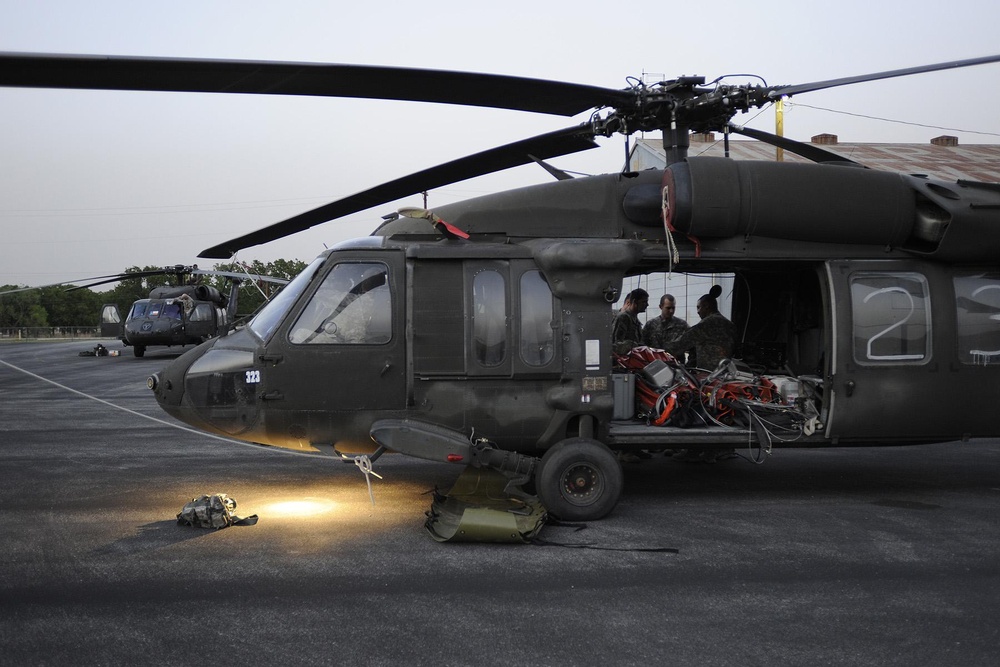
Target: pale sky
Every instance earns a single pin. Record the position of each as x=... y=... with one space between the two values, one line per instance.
x=94 y=181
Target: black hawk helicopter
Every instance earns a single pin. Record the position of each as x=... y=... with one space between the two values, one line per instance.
x=185 y=313
x=867 y=303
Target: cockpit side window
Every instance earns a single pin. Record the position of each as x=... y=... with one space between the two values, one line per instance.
x=110 y=315
x=352 y=306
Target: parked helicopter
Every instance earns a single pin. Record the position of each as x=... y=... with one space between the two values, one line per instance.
x=186 y=313
x=478 y=333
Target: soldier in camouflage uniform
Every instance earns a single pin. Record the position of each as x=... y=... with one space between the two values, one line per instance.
x=666 y=328
x=712 y=339
x=626 y=330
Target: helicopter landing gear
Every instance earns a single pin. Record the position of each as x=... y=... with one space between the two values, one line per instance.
x=139 y=350
x=579 y=479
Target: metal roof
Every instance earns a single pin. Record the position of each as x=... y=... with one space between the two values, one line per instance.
x=975 y=162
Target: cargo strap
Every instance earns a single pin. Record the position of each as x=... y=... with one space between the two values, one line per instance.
x=577 y=545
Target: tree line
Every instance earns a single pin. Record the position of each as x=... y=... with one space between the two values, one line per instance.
x=61 y=306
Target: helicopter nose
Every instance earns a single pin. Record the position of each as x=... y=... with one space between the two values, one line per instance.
x=206 y=387
x=168 y=383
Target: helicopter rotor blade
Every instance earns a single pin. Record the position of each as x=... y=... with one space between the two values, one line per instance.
x=193 y=75
x=128 y=275
x=114 y=279
x=808 y=151
x=100 y=280
x=62 y=284
x=234 y=275
x=781 y=91
x=177 y=270
x=553 y=144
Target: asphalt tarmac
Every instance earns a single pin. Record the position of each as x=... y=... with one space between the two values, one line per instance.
x=817 y=557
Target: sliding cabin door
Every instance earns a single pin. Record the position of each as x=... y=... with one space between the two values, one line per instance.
x=916 y=351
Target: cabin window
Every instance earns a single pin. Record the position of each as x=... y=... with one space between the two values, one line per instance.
x=202 y=313
x=977 y=302
x=353 y=305
x=489 y=317
x=172 y=311
x=891 y=314
x=537 y=344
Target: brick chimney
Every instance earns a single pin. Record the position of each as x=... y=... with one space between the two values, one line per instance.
x=703 y=137
x=825 y=139
x=945 y=140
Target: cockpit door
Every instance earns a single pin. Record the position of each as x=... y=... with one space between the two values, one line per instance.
x=343 y=348
x=111 y=321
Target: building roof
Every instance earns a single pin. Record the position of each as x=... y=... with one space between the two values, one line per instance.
x=944 y=159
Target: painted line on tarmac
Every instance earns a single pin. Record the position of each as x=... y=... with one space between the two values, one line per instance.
x=161 y=421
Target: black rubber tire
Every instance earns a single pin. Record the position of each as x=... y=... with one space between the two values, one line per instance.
x=139 y=350
x=579 y=479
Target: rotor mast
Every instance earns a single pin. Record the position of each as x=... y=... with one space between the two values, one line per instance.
x=676 y=140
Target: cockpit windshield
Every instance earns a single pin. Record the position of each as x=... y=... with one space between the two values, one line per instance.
x=138 y=309
x=264 y=323
x=169 y=309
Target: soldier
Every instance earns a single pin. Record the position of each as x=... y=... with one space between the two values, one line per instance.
x=666 y=328
x=713 y=338
x=626 y=331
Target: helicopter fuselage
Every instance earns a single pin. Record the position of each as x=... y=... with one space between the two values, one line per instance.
x=507 y=338
x=404 y=337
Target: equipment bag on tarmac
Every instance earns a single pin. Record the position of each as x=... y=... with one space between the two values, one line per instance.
x=479 y=509
x=213 y=511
